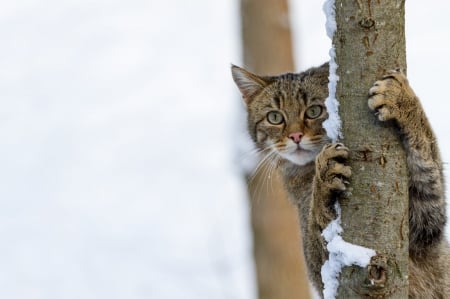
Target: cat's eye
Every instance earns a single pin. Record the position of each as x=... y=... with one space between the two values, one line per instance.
x=314 y=111
x=275 y=117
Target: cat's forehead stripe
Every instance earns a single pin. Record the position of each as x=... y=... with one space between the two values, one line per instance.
x=276 y=101
x=289 y=90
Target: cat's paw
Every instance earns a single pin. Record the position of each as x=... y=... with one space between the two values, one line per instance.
x=389 y=95
x=331 y=179
x=331 y=170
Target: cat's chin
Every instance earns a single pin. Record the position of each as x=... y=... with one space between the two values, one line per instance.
x=300 y=157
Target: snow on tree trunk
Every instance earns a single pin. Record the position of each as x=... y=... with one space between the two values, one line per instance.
x=369 y=40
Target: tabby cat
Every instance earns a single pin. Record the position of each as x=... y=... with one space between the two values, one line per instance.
x=285 y=116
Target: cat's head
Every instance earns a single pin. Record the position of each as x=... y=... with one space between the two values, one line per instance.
x=286 y=112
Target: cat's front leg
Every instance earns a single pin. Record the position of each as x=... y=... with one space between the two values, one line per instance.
x=393 y=99
x=330 y=180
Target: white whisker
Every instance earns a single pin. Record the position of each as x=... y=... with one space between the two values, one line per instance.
x=265 y=171
x=261 y=163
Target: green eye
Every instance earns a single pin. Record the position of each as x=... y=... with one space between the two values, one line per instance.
x=314 y=111
x=275 y=117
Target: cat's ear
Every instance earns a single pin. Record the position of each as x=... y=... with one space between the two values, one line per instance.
x=249 y=84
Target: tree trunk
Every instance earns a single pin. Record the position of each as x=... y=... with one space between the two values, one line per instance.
x=280 y=269
x=369 y=41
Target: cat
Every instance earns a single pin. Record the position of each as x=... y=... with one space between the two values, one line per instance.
x=284 y=117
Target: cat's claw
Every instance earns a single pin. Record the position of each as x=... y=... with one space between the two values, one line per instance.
x=331 y=169
x=386 y=95
x=330 y=181
x=397 y=74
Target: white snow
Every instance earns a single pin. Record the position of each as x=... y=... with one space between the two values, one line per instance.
x=330 y=14
x=341 y=253
x=333 y=124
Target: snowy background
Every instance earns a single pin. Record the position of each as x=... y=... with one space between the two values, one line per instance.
x=118 y=122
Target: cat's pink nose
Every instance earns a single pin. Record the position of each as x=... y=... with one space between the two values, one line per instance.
x=296 y=137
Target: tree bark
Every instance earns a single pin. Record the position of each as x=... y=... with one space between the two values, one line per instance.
x=369 y=41
x=280 y=269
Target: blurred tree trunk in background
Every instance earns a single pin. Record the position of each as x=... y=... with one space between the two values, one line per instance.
x=370 y=39
x=267 y=49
